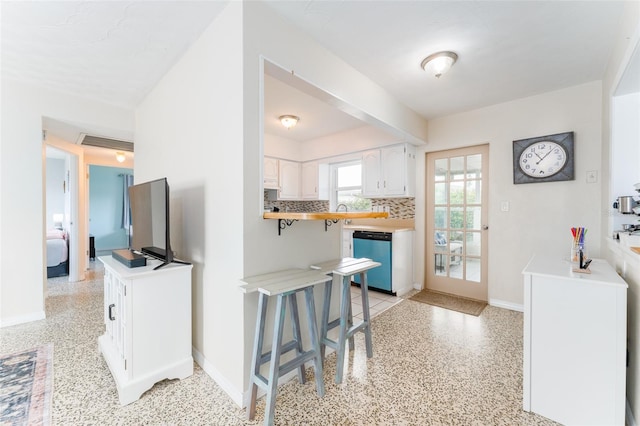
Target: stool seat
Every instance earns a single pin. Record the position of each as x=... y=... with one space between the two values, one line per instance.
x=342 y=271
x=284 y=285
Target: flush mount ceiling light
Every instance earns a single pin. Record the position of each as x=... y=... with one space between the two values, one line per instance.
x=439 y=63
x=289 y=121
x=120 y=157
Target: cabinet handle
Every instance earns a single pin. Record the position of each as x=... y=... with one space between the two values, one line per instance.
x=111 y=317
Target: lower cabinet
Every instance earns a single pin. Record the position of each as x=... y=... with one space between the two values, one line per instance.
x=574 y=342
x=147 y=316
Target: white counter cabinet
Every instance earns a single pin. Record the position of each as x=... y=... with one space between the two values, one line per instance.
x=147 y=316
x=574 y=342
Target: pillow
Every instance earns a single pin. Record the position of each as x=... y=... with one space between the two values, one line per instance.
x=56 y=234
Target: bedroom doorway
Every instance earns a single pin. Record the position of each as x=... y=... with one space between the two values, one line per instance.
x=72 y=219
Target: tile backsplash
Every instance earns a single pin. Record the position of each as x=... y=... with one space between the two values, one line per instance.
x=399 y=208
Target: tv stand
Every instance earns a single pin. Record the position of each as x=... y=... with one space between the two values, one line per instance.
x=181 y=262
x=147 y=316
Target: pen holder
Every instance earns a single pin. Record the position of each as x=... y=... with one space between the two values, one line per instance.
x=575 y=252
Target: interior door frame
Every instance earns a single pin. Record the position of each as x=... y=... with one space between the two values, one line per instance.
x=480 y=293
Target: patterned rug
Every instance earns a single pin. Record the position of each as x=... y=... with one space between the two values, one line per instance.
x=447 y=301
x=26 y=387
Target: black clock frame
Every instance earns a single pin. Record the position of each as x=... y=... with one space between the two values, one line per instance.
x=565 y=173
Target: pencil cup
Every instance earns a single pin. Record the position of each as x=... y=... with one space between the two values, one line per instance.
x=576 y=248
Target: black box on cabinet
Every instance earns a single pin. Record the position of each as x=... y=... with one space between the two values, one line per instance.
x=129 y=258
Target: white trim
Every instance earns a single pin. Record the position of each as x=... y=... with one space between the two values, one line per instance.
x=630 y=421
x=36 y=316
x=506 y=305
x=213 y=372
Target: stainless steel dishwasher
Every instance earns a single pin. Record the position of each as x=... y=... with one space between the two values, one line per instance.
x=376 y=246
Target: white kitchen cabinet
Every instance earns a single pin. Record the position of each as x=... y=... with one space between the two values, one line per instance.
x=389 y=172
x=147 y=316
x=347 y=243
x=315 y=181
x=289 y=172
x=574 y=342
x=270 y=173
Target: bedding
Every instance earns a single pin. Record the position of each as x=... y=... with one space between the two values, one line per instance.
x=57 y=253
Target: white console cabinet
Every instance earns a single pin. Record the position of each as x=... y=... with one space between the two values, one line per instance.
x=574 y=342
x=147 y=314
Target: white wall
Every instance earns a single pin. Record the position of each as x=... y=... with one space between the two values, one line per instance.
x=22 y=277
x=541 y=214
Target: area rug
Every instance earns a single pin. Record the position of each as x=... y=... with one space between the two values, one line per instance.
x=26 y=387
x=447 y=301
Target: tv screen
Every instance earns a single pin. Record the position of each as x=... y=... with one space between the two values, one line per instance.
x=150 y=219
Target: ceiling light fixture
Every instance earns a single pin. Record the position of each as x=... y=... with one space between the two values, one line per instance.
x=120 y=157
x=439 y=63
x=289 y=121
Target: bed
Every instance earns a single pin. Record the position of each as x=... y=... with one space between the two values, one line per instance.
x=57 y=253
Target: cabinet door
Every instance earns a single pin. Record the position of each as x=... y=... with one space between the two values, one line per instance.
x=393 y=170
x=115 y=314
x=270 y=173
x=347 y=243
x=371 y=173
x=289 y=180
x=310 y=180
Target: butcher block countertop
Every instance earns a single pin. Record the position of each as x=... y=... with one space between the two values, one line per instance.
x=324 y=215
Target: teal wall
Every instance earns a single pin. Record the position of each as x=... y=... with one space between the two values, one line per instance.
x=105 y=207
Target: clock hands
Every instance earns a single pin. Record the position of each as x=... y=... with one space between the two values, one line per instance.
x=545 y=156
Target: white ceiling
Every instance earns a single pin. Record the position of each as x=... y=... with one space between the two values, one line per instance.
x=116 y=52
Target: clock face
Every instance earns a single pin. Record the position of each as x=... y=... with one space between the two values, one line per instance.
x=542 y=159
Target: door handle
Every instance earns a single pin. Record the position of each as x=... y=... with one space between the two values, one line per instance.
x=485 y=227
x=111 y=317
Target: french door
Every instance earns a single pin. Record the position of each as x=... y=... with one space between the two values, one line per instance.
x=456 y=228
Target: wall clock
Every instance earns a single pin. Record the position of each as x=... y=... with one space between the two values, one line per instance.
x=543 y=159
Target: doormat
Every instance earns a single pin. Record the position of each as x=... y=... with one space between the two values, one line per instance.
x=447 y=301
x=26 y=387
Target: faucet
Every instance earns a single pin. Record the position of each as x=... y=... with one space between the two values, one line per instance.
x=346 y=209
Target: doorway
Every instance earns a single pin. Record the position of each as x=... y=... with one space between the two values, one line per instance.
x=456 y=222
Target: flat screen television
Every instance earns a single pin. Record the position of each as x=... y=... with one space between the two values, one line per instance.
x=149 y=203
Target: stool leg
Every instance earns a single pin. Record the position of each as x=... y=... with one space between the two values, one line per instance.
x=295 y=323
x=366 y=314
x=345 y=302
x=258 y=342
x=315 y=341
x=324 y=324
x=347 y=282
x=274 y=367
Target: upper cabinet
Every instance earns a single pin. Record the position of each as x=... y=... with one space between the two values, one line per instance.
x=270 y=173
x=289 y=180
x=389 y=172
x=315 y=181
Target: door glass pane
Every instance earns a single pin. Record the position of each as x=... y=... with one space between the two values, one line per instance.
x=456 y=217
x=456 y=267
x=474 y=243
x=474 y=217
x=440 y=265
x=474 y=166
x=456 y=190
x=457 y=168
x=473 y=270
x=455 y=237
x=474 y=191
x=441 y=169
x=440 y=193
x=440 y=217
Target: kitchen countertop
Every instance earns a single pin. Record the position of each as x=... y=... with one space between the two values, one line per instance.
x=324 y=215
x=387 y=225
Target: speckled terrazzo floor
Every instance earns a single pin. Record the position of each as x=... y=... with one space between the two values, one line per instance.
x=430 y=367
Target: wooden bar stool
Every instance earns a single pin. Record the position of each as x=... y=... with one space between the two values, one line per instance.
x=343 y=270
x=284 y=285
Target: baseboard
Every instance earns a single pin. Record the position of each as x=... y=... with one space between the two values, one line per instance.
x=226 y=386
x=8 y=322
x=629 y=419
x=506 y=305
